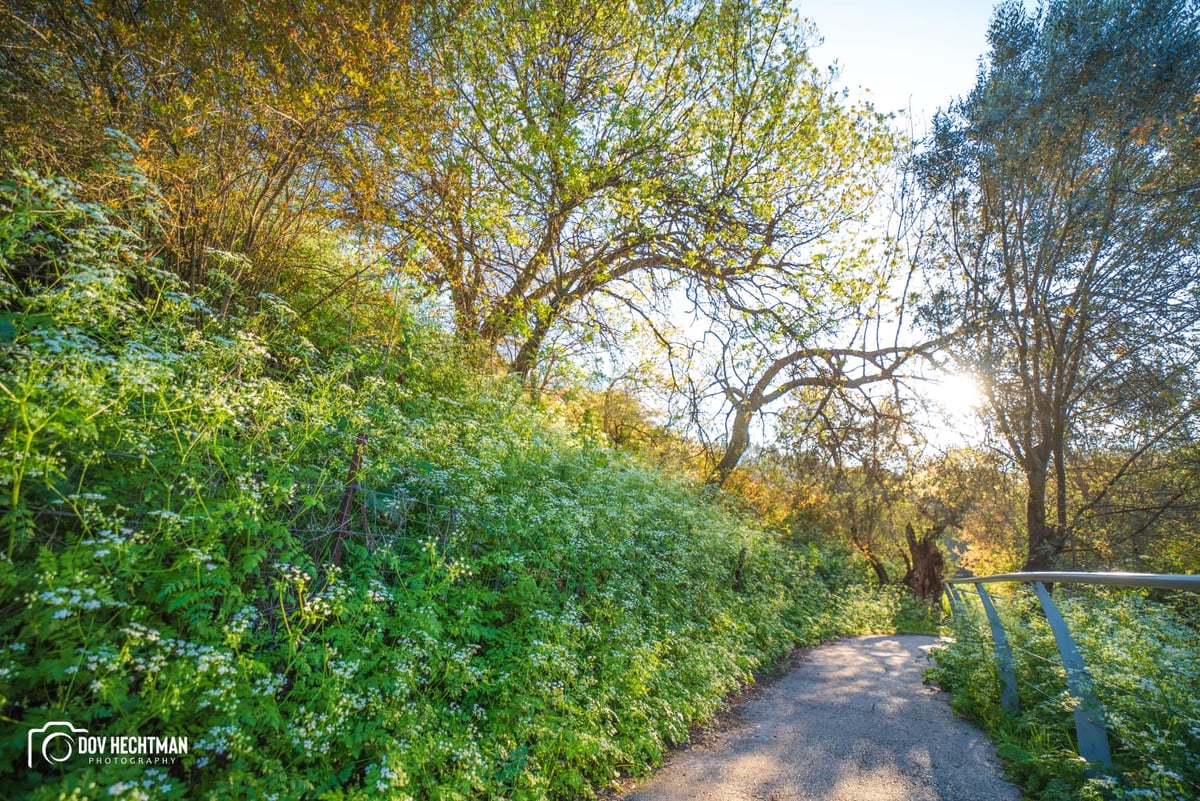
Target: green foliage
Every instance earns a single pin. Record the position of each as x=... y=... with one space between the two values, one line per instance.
x=866 y=609
x=258 y=122
x=1067 y=277
x=1145 y=664
x=607 y=155
x=522 y=612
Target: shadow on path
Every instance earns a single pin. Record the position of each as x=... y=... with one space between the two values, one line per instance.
x=854 y=722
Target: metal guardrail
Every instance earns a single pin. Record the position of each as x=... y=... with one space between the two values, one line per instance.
x=1160 y=581
x=1089 y=714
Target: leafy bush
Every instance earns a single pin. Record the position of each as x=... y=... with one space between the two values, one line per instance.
x=855 y=604
x=519 y=611
x=1144 y=660
x=865 y=609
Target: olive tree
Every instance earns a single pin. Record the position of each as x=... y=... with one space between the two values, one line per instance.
x=1068 y=184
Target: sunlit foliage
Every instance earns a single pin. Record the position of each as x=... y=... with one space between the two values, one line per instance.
x=1143 y=659
x=520 y=611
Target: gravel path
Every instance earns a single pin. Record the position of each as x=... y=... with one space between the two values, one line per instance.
x=852 y=722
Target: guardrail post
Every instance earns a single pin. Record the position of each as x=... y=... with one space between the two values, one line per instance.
x=1004 y=656
x=955 y=600
x=1089 y=726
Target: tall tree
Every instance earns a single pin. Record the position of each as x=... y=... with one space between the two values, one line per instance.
x=1069 y=184
x=254 y=119
x=622 y=152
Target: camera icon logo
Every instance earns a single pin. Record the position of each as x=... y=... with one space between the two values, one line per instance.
x=56 y=741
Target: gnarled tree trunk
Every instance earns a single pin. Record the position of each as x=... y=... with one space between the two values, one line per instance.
x=925 y=564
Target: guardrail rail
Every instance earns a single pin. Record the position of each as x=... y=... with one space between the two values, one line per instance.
x=1089 y=715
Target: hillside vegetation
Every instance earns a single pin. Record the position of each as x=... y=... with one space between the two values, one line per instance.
x=1144 y=666
x=515 y=608
x=457 y=400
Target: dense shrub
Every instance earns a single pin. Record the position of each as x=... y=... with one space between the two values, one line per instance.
x=520 y=611
x=1144 y=660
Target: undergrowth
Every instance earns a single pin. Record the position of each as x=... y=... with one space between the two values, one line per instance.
x=501 y=606
x=1144 y=661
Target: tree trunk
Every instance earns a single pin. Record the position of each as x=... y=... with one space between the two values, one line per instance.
x=346 y=507
x=925 y=565
x=872 y=558
x=526 y=358
x=1042 y=537
x=739 y=441
x=1060 y=497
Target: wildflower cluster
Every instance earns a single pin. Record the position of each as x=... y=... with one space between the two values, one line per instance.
x=68 y=601
x=1144 y=664
x=528 y=613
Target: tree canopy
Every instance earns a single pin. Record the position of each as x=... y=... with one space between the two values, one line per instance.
x=256 y=122
x=624 y=154
x=1069 y=182
x=680 y=175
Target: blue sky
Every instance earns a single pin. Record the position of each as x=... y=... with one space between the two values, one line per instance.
x=922 y=52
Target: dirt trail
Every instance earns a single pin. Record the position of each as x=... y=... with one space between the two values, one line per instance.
x=853 y=722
